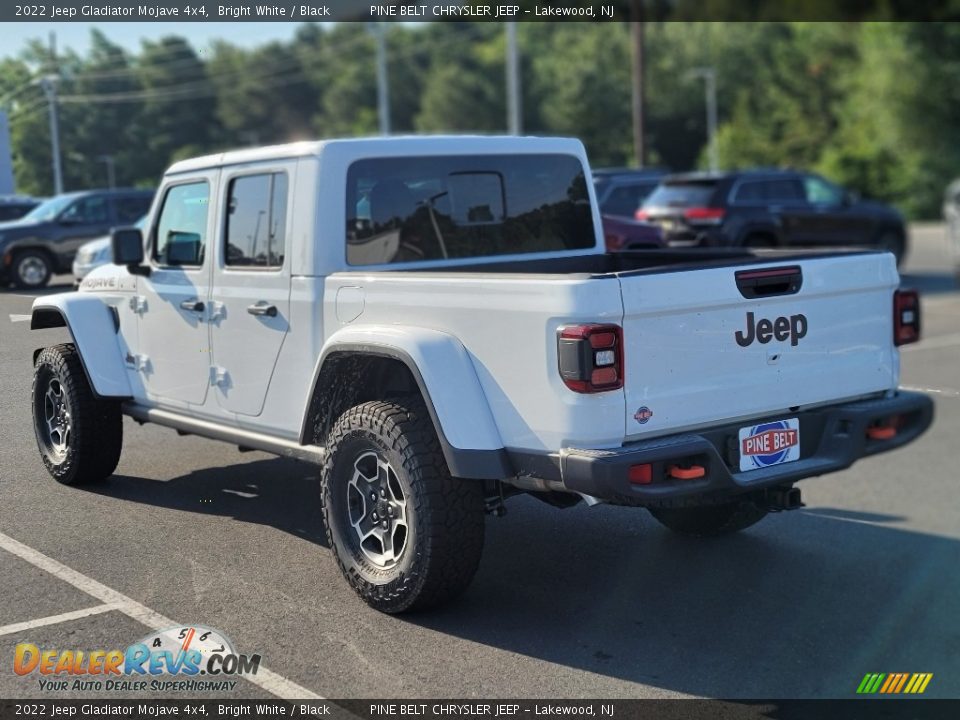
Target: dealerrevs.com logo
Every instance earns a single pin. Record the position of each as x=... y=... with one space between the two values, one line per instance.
x=186 y=659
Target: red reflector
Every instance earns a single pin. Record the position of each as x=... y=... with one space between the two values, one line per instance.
x=603 y=340
x=704 y=213
x=603 y=376
x=641 y=215
x=881 y=433
x=691 y=473
x=641 y=474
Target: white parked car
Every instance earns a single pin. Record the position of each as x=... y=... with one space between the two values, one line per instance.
x=94 y=254
x=434 y=322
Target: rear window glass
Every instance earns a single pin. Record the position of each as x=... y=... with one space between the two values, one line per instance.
x=682 y=194
x=430 y=208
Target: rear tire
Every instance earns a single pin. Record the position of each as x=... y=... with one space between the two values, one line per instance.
x=79 y=435
x=406 y=535
x=31 y=269
x=710 y=520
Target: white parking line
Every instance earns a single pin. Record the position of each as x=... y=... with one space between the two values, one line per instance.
x=19 y=318
x=54 y=619
x=270 y=681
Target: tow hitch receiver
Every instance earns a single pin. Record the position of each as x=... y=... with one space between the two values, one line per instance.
x=778 y=499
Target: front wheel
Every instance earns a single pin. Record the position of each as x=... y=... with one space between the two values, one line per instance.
x=31 y=269
x=710 y=520
x=406 y=535
x=79 y=435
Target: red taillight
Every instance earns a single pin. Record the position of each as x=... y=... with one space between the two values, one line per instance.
x=906 y=317
x=590 y=357
x=704 y=214
x=641 y=214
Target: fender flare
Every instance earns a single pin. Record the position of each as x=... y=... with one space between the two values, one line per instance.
x=451 y=390
x=93 y=327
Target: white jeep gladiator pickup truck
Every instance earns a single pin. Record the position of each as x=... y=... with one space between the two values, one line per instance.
x=434 y=322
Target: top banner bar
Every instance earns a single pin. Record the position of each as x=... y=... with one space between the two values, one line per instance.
x=506 y=11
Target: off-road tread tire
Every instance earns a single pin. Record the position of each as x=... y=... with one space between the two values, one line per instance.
x=15 y=276
x=96 y=423
x=710 y=520
x=448 y=512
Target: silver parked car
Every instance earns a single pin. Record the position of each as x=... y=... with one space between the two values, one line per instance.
x=94 y=254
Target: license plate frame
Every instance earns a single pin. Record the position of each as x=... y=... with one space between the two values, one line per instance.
x=770 y=443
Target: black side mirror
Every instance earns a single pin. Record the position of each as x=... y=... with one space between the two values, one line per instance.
x=851 y=197
x=126 y=245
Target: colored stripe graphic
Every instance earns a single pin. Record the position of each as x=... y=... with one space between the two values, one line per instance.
x=894 y=683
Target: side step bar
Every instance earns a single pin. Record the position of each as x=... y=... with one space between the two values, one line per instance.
x=246 y=439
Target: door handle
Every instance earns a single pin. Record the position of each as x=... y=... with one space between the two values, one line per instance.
x=262 y=308
x=192 y=305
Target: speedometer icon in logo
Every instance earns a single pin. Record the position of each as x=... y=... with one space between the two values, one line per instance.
x=180 y=639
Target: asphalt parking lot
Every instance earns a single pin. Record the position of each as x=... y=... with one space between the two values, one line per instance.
x=589 y=602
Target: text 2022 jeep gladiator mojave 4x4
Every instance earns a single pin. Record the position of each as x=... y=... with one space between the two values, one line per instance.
x=434 y=322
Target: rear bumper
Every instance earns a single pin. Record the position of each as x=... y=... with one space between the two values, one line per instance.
x=831 y=438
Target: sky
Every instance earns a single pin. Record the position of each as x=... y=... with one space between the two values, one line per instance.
x=14 y=36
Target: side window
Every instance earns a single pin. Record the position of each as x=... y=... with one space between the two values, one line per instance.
x=256 y=221
x=750 y=193
x=87 y=211
x=820 y=192
x=181 y=235
x=130 y=209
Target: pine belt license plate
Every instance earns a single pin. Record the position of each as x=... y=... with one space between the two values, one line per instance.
x=769 y=443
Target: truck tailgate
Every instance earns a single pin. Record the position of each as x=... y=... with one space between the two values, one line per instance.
x=699 y=349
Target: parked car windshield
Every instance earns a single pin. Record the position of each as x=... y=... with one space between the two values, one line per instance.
x=428 y=208
x=688 y=193
x=49 y=209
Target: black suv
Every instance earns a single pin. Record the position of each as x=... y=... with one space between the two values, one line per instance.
x=44 y=241
x=621 y=191
x=770 y=208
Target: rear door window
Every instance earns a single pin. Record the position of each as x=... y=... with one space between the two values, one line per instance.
x=762 y=192
x=411 y=209
x=256 y=221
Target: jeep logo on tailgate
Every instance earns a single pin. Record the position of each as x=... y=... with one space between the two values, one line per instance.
x=793 y=327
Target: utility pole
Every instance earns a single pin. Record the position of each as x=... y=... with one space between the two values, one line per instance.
x=514 y=114
x=637 y=15
x=379 y=30
x=709 y=76
x=111 y=170
x=49 y=85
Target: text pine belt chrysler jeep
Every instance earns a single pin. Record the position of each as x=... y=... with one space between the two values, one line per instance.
x=434 y=322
